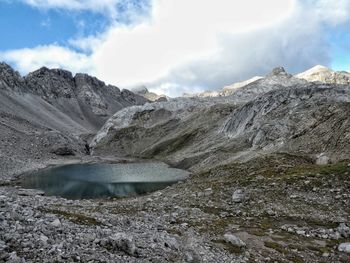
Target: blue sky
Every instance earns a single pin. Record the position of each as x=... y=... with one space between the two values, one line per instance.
x=175 y=46
x=340 y=45
x=28 y=27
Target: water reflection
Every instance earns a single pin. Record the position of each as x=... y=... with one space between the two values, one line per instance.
x=82 y=181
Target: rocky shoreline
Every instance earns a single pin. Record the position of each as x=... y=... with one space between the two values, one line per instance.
x=262 y=211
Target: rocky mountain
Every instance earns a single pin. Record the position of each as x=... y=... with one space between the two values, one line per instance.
x=269 y=163
x=151 y=96
x=316 y=74
x=50 y=112
x=278 y=113
x=325 y=75
x=227 y=90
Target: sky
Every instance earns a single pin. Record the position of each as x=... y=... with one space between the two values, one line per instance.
x=175 y=46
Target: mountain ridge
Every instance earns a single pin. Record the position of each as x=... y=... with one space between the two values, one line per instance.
x=49 y=112
x=267 y=116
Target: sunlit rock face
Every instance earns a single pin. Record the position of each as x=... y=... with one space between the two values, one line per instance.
x=278 y=113
x=325 y=75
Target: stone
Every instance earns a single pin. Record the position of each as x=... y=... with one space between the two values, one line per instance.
x=234 y=240
x=63 y=151
x=3 y=245
x=277 y=71
x=322 y=159
x=123 y=242
x=301 y=232
x=344 y=230
x=344 y=247
x=44 y=238
x=56 y=223
x=238 y=196
x=13 y=258
x=208 y=192
x=4 y=255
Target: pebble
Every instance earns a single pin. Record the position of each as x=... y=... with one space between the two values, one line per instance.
x=344 y=247
x=234 y=240
x=44 y=238
x=238 y=196
x=56 y=223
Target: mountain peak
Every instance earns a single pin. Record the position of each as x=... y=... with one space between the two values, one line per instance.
x=315 y=70
x=9 y=78
x=278 y=72
x=323 y=74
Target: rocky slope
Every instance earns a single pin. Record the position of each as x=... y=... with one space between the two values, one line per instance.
x=325 y=75
x=318 y=73
x=278 y=113
x=256 y=194
x=151 y=96
x=50 y=112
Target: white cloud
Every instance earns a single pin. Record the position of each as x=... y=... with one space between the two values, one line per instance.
x=108 y=8
x=188 y=45
x=177 y=33
x=52 y=56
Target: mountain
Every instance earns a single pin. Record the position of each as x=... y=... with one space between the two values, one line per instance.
x=151 y=96
x=269 y=164
x=227 y=90
x=278 y=113
x=51 y=112
x=325 y=75
x=316 y=74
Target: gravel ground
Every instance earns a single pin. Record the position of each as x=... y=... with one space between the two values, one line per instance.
x=277 y=209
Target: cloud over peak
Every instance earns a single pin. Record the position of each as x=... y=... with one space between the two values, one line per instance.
x=192 y=45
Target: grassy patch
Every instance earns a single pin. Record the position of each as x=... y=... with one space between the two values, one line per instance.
x=228 y=246
x=80 y=219
x=276 y=246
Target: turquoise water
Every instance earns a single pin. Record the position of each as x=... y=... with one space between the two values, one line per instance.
x=85 y=181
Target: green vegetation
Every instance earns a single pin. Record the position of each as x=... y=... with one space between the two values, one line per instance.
x=80 y=219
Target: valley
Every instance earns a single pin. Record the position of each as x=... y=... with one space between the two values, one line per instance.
x=269 y=163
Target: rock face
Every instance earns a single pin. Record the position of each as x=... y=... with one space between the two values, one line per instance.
x=10 y=79
x=46 y=113
x=325 y=75
x=344 y=247
x=228 y=90
x=278 y=113
x=151 y=96
x=280 y=77
x=85 y=99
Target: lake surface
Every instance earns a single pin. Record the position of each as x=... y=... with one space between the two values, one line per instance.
x=83 y=181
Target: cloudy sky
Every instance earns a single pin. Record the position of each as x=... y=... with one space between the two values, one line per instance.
x=175 y=46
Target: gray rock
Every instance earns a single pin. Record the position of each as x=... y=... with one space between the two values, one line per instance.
x=238 y=196
x=344 y=247
x=344 y=230
x=322 y=159
x=123 y=242
x=13 y=258
x=63 y=150
x=3 y=246
x=278 y=71
x=44 y=238
x=234 y=240
x=56 y=223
